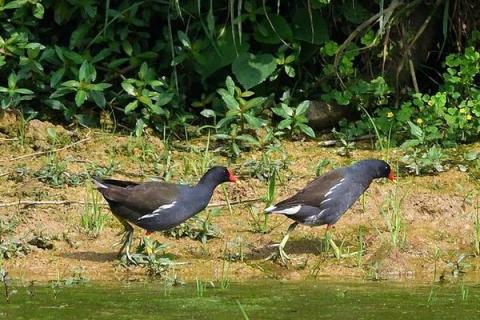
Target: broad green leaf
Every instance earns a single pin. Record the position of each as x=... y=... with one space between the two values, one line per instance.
x=101 y=86
x=230 y=85
x=145 y=100
x=56 y=77
x=290 y=59
x=155 y=108
x=415 y=130
x=23 y=91
x=59 y=52
x=410 y=144
x=289 y=111
x=157 y=83
x=285 y=123
x=129 y=88
x=281 y=30
x=178 y=59
x=229 y=100
x=127 y=47
x=222 y=136
x=139 y=126
x=79 y=35
x=117 y=63
x=38 y=11
x=165 y=98
x=87 y=72
x=86 y=119
x=60 y=92
x=98 y=98
x=184 y=39
x=306 y=129
x=289 y=70
x=312 y=30
x=255 y=102
x=54 y=104
x=208 y=113
x=71 y=84
x=354 y=12
x=224 y=122
x=253 y=121
x=12 y=80
x=80 y=97
x=248 y=139
x=209 y=59
x=143 y=72
x=73 y=56
x=131 y=106
x=247 y=94
x=103 y=54
x=251 y=70
x=280 y=112
x=236 y=149
x=302 y=107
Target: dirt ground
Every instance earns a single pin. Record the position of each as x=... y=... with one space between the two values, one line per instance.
x=437 y=229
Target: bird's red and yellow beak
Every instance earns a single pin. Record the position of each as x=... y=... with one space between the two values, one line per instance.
x=231 y=176
x=391 y=176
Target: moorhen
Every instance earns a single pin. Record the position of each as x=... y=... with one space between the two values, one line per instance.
x=325 y=199
x=156 y=206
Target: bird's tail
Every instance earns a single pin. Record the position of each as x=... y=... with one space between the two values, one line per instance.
x=99 y=184
x=270 y=209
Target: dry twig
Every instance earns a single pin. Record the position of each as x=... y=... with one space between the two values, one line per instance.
x=28 y=203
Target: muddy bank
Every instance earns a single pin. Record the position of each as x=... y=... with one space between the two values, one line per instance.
x=437 y=212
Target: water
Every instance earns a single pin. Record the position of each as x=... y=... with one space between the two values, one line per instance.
x=318 y=299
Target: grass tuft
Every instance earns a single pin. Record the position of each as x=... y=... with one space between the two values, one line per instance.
x=93 y=219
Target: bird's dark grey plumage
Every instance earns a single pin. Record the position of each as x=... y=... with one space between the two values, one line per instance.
x=156 y=206
x=325 y=199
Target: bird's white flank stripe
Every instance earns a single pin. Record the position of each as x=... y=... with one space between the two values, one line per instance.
x=158 y=211
x=289 y=211
x=270 y=209
x=326 y=200
x=165 y=206
x=332 y=188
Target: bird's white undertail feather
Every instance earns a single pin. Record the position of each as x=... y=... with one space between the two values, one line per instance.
x=287 y=211
x=270 y=209
x=100 y=185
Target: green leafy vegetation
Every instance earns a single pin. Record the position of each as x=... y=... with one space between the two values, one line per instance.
x=196 y=228
x=249 y=66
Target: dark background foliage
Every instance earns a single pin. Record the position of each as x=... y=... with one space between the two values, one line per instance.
x=407 y=70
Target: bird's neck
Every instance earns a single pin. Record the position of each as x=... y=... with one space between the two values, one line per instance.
x=204 y=190
x=207 y=182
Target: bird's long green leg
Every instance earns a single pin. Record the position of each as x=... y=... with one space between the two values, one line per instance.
x=330 y=242
x=281 y=253
x=126 y=239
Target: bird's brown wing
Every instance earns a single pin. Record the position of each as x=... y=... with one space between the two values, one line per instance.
x=315 y=191
x=141 y=198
